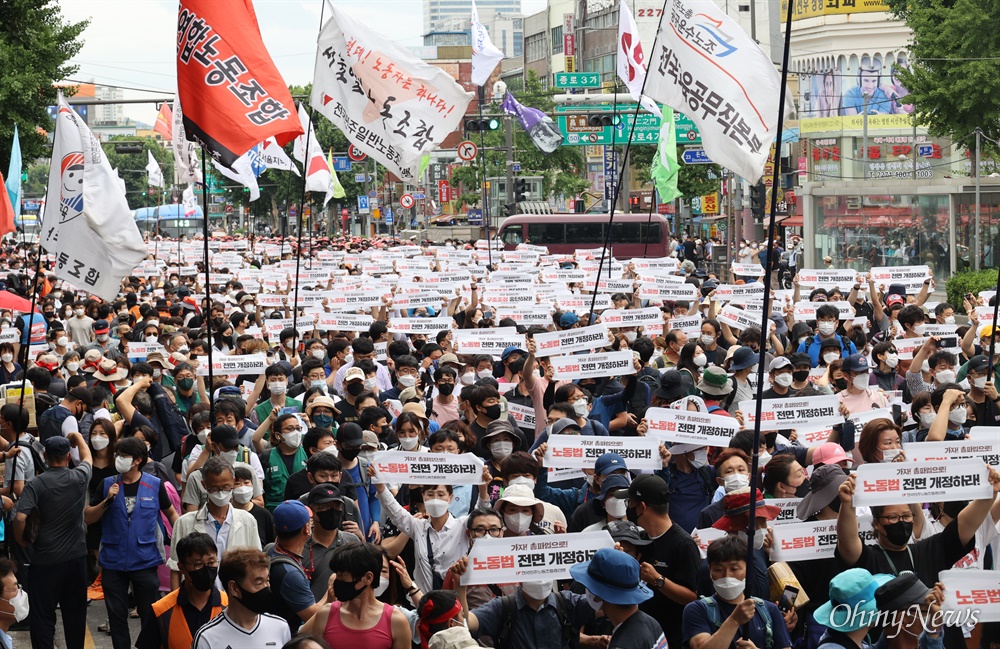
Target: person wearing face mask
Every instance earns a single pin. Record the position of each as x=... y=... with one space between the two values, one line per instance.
x=407 y=375
x=675 y=340
x=80 y=327
x=323 y=412
x=285 y=457
x=521 y=511
x=728 y=618
x=313 y=376
x=129 y=553
x=9 y=368
x=179 y=614
x=354 y=386
x=293 y=599
x=780 y=370
x=982 y=394
x=223 y=441
x=350 y=440
x=14 y=606
x=949 y=404
x=246 y=621
x=327 y=506
x=103 y=342
x=734 y=521
x=859 y=396
x=614 y=498
x=500 y=440
x=444 y=405
x=827 y=319
x=357 y=618
x=409 y=430
x=276 y=381
x=940 y=365
x=784 y=477
x=691 y=481
x=63 y=418
x=732 y=472
x=886 y=360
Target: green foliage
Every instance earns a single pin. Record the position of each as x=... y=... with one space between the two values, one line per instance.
x=36 y=45
x=969 y=282
x=692 y=180
x=956 y=76
x=38 y=178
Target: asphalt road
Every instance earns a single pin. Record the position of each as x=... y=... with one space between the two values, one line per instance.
x=96 y=615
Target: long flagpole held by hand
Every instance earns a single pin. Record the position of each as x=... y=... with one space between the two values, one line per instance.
x=207 y=315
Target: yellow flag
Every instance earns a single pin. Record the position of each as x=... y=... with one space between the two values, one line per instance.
x=338 y=189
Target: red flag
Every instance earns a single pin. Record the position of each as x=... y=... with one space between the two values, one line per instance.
x=164 y=122
x=233 y=96
x=6 y=211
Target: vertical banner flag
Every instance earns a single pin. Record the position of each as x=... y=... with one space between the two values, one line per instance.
x=319 y=173
x=87 y=224
x=190 y=202
x=241 y=171
x=388 y=103
x=338 y=189
x=485 y=55
x=631 y=60
x=164 y=122
x=187 y=169
x=540 y=128
x=234 y=96
x=274 y=157
x=707 y=67
x=153 y=171
x=6 y=213
x=665 y=167
x=14 y=175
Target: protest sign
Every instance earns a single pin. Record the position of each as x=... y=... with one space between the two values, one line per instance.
x=805 y=311
x=777 y=414
x=748 y=270
x=894 y=483
x=789 y=509
x=526 y=315
x=470 y=341
x=571 y=340
x=971 y=596
x=593 y=366
x=814 y=540
x=419 y=325
x=247 y=364
x=10 y=335
x=581 y=304
x=739 y=292
x=523 y=415
x=581 y=451
x=531 y=558
x=343 y=322
x=984 y=432
x=665 y=292
x=987 y=450
x=142 y=350
x=842 y=278
x=632 y=317
x=691 y=326
x=911 y=277
x=562 y=475
x=738 y=318
x=865 y=416
x=907 y=347
x=402 y=467
x=704 y=537
x=688 y=427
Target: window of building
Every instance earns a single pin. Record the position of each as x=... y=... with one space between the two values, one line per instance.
x=557 y=40
x=518 y=44
x=535 y=47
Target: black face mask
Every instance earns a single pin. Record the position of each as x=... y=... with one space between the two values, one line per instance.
x=445 y=389
x=840 y=383
x=770 y=439
x=835 y=505
x=345 y=591
x=803 y=490
x=330 y=519
x=632 y=515
x=354 y=389
x=386 y=431
x=493 y=412
x=260 y=602
x=350 y=454
x=203 y=578
x=800 y=375
x=898 y=533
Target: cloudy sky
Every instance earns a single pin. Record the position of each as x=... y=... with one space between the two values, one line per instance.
x=131 y=42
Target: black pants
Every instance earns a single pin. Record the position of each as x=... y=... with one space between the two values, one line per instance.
x=64 y=584
x=145 y=586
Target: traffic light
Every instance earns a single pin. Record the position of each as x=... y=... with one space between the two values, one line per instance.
x=128 y=147
x=758 y=196
x=606 y=119
x=510 y=209
x=520 y=190
x=477 y=125
x=633 y=203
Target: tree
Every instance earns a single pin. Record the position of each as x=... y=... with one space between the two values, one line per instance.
x=692 y=180
x=132 y=169
x=35 y=47
x=955 y=76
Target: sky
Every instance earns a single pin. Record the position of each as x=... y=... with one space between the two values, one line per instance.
x=131 y=42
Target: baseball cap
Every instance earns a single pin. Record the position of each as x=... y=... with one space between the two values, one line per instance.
x=855 y=363
x=350 y=436
x=627 y=531
x=568 y=319
x=893 y=299
x=512 y=350
x=291 y=515
x=354 y=374
x=650 y=490
x=57 y=446
x=779 y=362
x=829 y=453
x=325 y=493
x=609 y=462
x=101 y=327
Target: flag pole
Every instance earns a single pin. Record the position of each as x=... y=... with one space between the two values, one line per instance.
x=766 y=315
x=299 y=215
x=207 y=315
x=31 y=318
x=482 y=158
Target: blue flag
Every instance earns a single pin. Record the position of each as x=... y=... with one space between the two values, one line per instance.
x=14 y=175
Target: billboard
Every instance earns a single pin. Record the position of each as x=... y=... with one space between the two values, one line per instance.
x=813 y=8
x=856 y=85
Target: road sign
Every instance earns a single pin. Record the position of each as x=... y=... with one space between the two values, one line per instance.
x=373 y=202
x=356 y=154
x=372 y=194
x=467 y=150
x=419 y=195
x=363 y=205
x=578 y=132
x=388 y=216
x=516 y=167
x=292 y=211
x=341 y=163
x=359 y=178
x=695 y=157
x=475 y=216
x=406 y=201
x=578 y=80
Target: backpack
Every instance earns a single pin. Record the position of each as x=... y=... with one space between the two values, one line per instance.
x=44 y=401
x=508 y=607
x=715 y=622
x=37 y=454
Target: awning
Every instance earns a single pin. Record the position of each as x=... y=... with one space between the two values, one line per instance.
x=793 y=221
x=789 y=135
x=714 y=217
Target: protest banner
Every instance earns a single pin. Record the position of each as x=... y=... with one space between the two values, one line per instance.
x=665 y=292
x=688 y=427
x=984 y=432
x=748 y=270
x=911 y=277
x=581 y=451
x=419 y=325
x=531 y=558
x=402 y=467
x=523 y=415
x=739 y=292
x=805 y=310
x=813 y=540
x=691 y=326
x=811 y=436
x=581 y=304
x=247 y=364
x=571 y=340
x=987 y=450
x=777 y=414
x=632 y=317
x=526 y=315
x=562 y=475
x=470 y=341
x=343 y=322
x=907 y=347
x=703 y=537
x=593 y=366
x=738 y=318
x=865 y=416
x=972 y=596
x=10 y=335
x=895 y=483
x=142 y=350
x=789 y=509
x=842 y=278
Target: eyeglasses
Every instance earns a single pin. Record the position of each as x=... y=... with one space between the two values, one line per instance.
x=195 y=567
x=297 y=429
x=480 y=532
x=220 y=491
x=893 y=519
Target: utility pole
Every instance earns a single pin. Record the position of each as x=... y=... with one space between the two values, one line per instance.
x=864 y=145
x=508 y=128
x=976 y=241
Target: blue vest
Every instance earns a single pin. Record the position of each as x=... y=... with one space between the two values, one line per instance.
x=51 y=421
x=129 y=542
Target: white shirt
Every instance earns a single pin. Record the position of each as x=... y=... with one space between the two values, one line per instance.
x=986 y=534
x=21 y=467
x=222 y=633
x=196 y=452
x=238 y=531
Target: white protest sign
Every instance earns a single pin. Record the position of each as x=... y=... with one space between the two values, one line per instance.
x=748 y=270
x=894 y=483
x=343 y=322
x=527 y=315
x=690 y=325
x=593 y=366
x=523 y=415
x=703 y=537
x=810 y=541
x=738 y=318
x=531 y=558
x=9 y=335
x=247 y=364
x=789 y=510
x=688 y=427
x=911 y=277
x=986 y=450
x=984 y=432
x=581 y=304
x=562 y=475
x=777 y=414
x=632 y=317
x=470 y=341
x=401 y=467
x=142 y=350
x=907 y=347
x=807 y=310
x=842 y=278
x=571 y=340
x=416 y=300
x=738 y=292
x=865 y=416
x=971 y=595
x=581 y=451
x=419 y=325
x=665 y=292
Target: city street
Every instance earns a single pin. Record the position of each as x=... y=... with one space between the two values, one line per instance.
x=96 y=615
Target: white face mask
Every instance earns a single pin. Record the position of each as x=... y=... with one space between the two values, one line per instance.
x=436 y=508
x=829 y=357
x=243 y=495
x=484 y=374
x=517 y=523
x=949 y=319
x=229 y=457
x=526 y=481
x=62 y=341
x=945 y=376
x=501 y=450
x=729 y=588
x=888 y=455
x=20 y=604
x=406 y=380
x=706 y=339
x=927 y=418
x=700 y=360
x=536 y=589
x=321 y=384
x=150 y=339
x=784 y=380
x=293 y=439
x=318 y=354
x=891 y=361
x=735 y=481
x=349 y=359
x=123 y=464
x=409 y=443
x=203 y=435
x=383 y=585
x=826 y=328
x=979 y=383
x=103 y=338
x=762 y=460
x=78 y=312
x=277 y=388
x=614 y=507
x=7 y=358
x=468 y=378
x=72 y=367
x=99 y=442
x=581 y=407
x=595 y=602
x=958 y=415
x=221 y=498
x=861 y=381
x=630 y=336
x=919 y=329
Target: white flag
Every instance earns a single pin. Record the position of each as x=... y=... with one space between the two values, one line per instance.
x=242 y=172
x=274 y=157
x=319 y=176
x=120 y=180
x=485 y=54
x=87 y=223
x=190 y=202
x=186 y=166
x=388 y=103
x=632 y=59
x=154 y=172
x=708 y=68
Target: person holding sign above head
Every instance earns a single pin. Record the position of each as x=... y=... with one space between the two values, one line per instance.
x=950 y=405
x=941 y=366
x=827 y=319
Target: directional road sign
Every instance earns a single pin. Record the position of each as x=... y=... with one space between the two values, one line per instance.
x=695 y=157
x=516 y=167
x=467 y=150
x=359 y=178
x=363 y=207
x=578 y=80
x=419 y=195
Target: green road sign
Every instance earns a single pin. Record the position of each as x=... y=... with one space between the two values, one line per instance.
x=573 y=122
x=578 y=80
